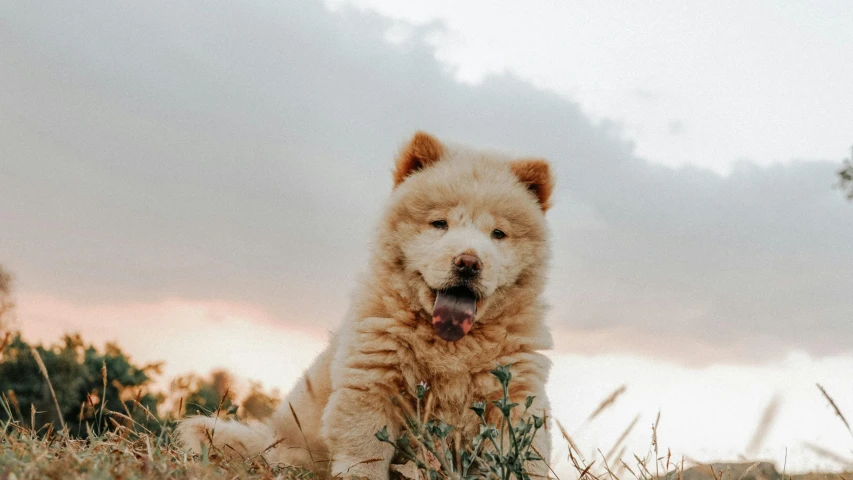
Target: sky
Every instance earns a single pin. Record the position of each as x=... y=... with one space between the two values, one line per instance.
x=704 y=83
x=201 y=186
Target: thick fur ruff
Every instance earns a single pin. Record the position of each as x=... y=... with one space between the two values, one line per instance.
x=447 y=204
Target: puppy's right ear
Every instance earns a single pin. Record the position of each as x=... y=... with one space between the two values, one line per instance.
x=422 y=151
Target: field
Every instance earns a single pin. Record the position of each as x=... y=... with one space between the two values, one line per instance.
x=138 y=445
x=132 y=453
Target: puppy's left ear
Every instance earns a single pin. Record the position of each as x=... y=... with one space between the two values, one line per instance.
x=536 y=175
x=423 y=150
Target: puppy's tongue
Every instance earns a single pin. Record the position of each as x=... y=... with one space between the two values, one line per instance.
x=453 y=313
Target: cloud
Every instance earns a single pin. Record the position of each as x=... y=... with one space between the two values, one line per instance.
x=676 y=127
x=186 y=336
x=243 y=153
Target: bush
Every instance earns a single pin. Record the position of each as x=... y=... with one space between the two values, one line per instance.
x=86 y=382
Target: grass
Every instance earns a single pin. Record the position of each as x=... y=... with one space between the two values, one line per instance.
x=128 y=451
x=121 y=454
x=430 y=449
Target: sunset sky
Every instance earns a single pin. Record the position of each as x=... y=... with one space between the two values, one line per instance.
x=200 y=184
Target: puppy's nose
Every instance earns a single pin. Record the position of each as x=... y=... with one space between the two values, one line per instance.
x=467 y=265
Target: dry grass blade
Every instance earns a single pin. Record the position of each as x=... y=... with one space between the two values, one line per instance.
x=408 y=412
x=545 y=462
x=655 y=434
x=746 y=472
x=148 y=449
x=642 y=463
x=295 y=417
x=270 y=447
x=363 y=462
x=5 y=342
x=219 y=409
x=148 y=413
x=607 y=467
x=209 y=435
x=621 y=439
x=768 y=417
x=243 y=457
x=429 y=405
x=568 y=439
x=668 y=456
x=457 y=444
x=118 y=426
x=586 y=470
x=12 y=399
x=574 y=461
x=80 y=417
x=43 y=371
x=619 y=456
x=104 y=391
x=304 y=439
x=714 y=473
x=655 y=443
x=126 y=410
x=131 y=421
x=828 y=454
x=835 y=407
x=629 y=468
x=607 y=402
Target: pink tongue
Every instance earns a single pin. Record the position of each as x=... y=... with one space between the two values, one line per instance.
x=453 y=313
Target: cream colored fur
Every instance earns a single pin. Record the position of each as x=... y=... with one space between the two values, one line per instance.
x=387 y=344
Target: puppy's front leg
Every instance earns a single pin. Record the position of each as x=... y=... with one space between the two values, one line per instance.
x=351 y=419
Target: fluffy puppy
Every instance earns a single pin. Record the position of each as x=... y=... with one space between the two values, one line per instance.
x=453 y=289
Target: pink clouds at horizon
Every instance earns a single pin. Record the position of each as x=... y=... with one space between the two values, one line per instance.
x=187 y=335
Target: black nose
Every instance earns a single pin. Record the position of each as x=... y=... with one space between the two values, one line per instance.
x=467 y=265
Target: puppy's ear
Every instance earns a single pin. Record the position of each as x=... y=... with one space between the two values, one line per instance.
x=536 y=175
x=422 y=150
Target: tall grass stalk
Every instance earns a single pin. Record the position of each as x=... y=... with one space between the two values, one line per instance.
x=44 y=373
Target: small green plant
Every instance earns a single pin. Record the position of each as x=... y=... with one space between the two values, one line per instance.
x=497 y=452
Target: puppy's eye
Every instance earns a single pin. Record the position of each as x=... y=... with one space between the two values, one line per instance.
x=498 y=234
x=440 y=224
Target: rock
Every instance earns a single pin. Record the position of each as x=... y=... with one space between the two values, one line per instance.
x=731 y=471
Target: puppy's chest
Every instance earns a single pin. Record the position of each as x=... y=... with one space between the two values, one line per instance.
x=449 y=397
x=454 y=383
x=438 y=365
x=456 y=374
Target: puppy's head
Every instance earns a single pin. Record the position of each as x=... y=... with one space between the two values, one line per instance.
x=465 y=227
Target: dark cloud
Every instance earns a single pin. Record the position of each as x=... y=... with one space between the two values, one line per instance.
x=243 y=152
